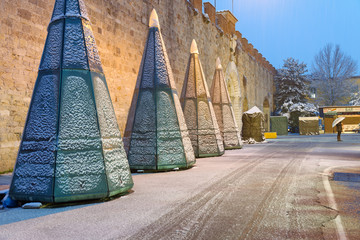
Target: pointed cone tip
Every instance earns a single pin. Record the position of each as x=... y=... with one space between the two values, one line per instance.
x=154 y=19
x=218 y=63
x=194 y=48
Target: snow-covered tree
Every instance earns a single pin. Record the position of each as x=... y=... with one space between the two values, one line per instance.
x=331 y=72
x=291 y=85
x=355 y=99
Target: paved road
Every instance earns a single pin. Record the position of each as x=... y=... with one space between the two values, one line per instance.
x=273 y=190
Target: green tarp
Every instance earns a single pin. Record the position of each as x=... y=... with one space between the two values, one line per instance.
x=279 y=124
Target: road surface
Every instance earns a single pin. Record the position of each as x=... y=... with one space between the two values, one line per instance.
x=273 y=190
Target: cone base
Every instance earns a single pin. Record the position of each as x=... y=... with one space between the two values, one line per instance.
x=72 y=198
x=205 y=155
x=233 y=147
x=162 y=168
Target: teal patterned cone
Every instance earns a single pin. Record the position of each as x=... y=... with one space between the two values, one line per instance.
x=71 y=147
x=156 y=135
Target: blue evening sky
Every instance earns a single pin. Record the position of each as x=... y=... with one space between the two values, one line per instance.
x=297 y=28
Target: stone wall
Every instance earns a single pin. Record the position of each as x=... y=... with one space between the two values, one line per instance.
x=120 y=29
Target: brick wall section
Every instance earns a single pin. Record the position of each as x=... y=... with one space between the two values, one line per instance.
x=222 y=22
x=197 y=4
x=210 y=10
x=120 y=29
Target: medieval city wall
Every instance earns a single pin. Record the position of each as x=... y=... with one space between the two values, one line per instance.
x=120 y=29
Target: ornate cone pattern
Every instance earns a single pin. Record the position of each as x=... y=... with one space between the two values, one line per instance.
x=198 y=110
x=224 y=111
x=156 y=136
x=71 y=147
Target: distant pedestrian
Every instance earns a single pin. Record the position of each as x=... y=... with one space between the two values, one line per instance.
x=339 y=130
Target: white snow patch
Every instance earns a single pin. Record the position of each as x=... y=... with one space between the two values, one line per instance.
x=254 y=109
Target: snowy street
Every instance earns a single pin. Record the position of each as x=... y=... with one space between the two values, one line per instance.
x=274 y=190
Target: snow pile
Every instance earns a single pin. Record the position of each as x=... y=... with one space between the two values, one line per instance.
x=254 y=109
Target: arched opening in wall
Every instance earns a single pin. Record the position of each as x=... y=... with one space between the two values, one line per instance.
x=233 y=84
x=266 y=110
x=245 y=105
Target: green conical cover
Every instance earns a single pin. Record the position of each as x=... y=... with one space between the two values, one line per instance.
x=198 y=110
x=224 y=111
x=71 y=147
x=156 y=136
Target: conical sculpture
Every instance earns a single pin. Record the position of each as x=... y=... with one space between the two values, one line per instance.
x=223 y=110
x=71 y=147
x=198 y=110
x=156 y=136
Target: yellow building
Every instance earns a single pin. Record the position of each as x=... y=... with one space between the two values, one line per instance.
x=351 y=114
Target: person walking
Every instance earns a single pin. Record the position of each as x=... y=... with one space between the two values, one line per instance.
x=339 y=130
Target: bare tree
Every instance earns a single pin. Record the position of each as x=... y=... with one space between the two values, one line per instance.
x=331 y=72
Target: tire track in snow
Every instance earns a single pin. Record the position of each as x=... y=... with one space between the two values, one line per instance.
x=188 y=219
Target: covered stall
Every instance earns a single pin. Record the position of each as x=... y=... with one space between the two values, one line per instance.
x=279 y=124
x=309 y=125
x=253 y=125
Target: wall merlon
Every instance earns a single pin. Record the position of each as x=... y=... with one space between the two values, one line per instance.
x=228 y=21
x=221 y=22
x=239 y=35
x=197 y=4
x=210 y=10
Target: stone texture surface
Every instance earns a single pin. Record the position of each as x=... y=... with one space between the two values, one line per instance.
x=156 y=136
x=120 y=30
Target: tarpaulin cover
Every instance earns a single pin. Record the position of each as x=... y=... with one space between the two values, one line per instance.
x=71 y=147
x=279 y=124
x=309 y=125
x=253 y=125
